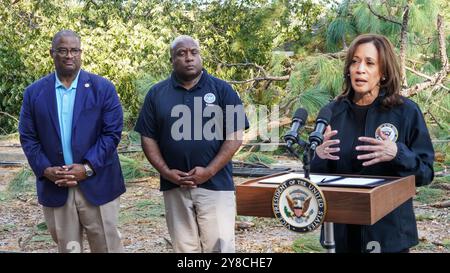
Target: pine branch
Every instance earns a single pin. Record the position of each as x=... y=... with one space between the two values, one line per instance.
x=383 y=17
x=428 y=42
x=337 y=55
x=437 y=78
x=414 y=62
x=93 y=3
x=424 y=76
x=260 y=68
x=9 y=115
x=266 y=78
x=435 y=119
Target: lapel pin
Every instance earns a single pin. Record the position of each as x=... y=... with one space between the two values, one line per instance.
x=86 y=85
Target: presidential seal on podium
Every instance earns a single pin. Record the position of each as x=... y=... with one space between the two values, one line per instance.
x=299 y=204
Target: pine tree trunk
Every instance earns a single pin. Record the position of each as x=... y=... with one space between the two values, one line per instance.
x=403 y=45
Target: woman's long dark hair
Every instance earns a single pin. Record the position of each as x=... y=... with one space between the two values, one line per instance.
x=389 y=67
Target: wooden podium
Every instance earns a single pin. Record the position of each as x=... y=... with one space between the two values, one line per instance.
x=361 y=206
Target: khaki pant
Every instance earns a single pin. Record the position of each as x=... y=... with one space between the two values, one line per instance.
x=66 y=224
x=201 y=220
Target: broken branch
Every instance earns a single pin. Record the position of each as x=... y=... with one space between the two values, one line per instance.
x=437 y=78
x=382 y=17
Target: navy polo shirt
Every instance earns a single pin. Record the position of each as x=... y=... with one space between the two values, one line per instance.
x=190 y=125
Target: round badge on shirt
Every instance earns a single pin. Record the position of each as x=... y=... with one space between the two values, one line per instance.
x=389 y=130
x=209 y=98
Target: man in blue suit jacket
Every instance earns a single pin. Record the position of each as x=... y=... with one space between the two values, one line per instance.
x=70 y=125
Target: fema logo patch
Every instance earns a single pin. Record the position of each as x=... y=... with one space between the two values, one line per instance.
x=209 y=98
x=299 y=205
x=389 y=130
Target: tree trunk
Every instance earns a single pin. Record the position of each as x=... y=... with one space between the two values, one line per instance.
x=403 y=45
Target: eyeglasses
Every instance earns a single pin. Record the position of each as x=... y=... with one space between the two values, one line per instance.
x=63 y=52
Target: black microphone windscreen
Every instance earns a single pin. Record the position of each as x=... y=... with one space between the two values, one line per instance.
x=325 y=114
x=301 y=114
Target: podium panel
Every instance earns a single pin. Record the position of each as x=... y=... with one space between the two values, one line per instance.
x=359 y=206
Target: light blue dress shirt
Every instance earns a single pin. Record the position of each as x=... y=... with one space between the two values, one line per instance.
x=65 y=99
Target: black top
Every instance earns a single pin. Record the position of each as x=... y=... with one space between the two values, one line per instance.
x=355 y=129
x=190 y=125
x=397 y=230
x=359 y=121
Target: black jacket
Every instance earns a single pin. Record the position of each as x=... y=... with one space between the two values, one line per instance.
x=397 y=230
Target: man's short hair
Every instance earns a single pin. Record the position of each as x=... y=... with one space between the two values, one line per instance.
x=64 y=33
x=179 y=39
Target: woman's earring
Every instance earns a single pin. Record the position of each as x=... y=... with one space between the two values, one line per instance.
x=383 y=79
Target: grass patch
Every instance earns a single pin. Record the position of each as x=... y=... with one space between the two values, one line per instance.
x=428 y=195
x=14 y=136
x=242 y=218
x=125 y=217
x=308 y=243
x=7 y=228
x=130 y=138
x=255 y=157
x=264 y=222
x=425 y=217
x=134 y=168
x=438 y=167
x=424 y=247
x=446 y=243
x=42 y=239
x=21 y=182
x=4 y=196
x=437 y=181
x=142 y=209
x=134 y=137
x=149 y=208
x=260 y=158
x=42 y=226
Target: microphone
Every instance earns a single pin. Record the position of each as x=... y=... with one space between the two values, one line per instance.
x=322 y=121
x=298 y=121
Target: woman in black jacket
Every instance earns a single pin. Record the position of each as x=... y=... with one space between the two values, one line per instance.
x=376 y=131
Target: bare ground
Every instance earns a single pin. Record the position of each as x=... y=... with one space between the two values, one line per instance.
x=142 y=224
x=143 y=227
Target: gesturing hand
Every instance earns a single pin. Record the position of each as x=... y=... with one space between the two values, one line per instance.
x=324 y=151
x=381 y=150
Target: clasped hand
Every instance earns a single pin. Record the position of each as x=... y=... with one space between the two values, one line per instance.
x=191 y=179
x=67 y=175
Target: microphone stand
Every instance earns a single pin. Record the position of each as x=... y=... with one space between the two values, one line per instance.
x=308 y=153
x=328 y=227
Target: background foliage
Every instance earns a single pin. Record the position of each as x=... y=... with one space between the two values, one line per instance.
x=127 y=42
